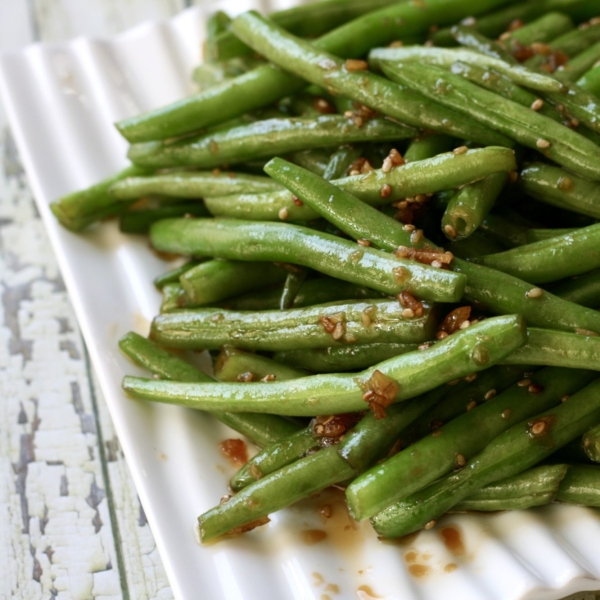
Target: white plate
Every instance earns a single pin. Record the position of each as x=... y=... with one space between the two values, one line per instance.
x=61 y=101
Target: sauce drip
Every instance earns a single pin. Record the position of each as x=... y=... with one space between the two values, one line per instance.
x=365 y=592
x=235 y=450
x=453 y=540
x=313 y=536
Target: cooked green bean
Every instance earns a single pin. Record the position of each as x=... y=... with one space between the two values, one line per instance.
x=306 y=61
x=174 y=298
x=584 y=290
x=512 y=452
x=590 y=82
x=191 y=184
x=291 y=287
x=581 y=485
x=558 y=349
x=234 y=364
x=557 y=142
x=477 y=244
x=263 y=430
x=315 y=160
x=463 y=353
x=216 y=280
x=140 y=221
x=534 y=487
x=470 y=205
x=264 y=139
x=504 y=229
x=320 y=326
x=435 y=174
x=451 y=445
x=446 y=57
x=553 y=259
x=591 y=443
x=246 y=240
x=79 y=209
x=267 y=84
x=343 y=358
x=313 y=291
x=340 y=162
x=543 y=29
x=429 y=145
x=173 y=275
x=538 y=235
x=579 y=65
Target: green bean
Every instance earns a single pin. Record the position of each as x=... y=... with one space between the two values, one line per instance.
x=477 y=244
x=173 y=275
x=512 y=452
x=246 y=240
x=340 y=162
x=320 y=326
x=190 y=184
x=82 y=208
x=263 y=139
x=305 y=21
x=579 y=65
x=495 y=23
x=263 y=430
x=463 y=353
x=469 y=207
x=367 y=88
x=275 y=457
x=342 y=358
x=446 y=57
x=268 y=84
x=216 y=280
x=313 y=291
x=501 y=293
x=140 y=221
x=428 y=145
x=590 y=82
x=591 y=443
x=538 y=235
x=502 y=227
x=584 y=290
x=174 y=298
x=232 y=363
x=581 y=485
x=543 y=29
x=534 y=487
x=315 y=160
x=217 y=24
x=553 y=259
x=467 y=36
x=462 y=397
x=435 y=174
x=558 y=349
x=555 y=141
x=451 y=445
x=291 y=287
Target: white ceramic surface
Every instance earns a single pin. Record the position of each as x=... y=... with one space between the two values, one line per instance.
x=61 y=101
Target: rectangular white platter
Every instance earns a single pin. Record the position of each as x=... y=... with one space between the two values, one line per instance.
x=62 y=100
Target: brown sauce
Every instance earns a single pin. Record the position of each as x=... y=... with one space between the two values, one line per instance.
x=365 y=592
x=313 y=536
x=453 y=540
x=235 y=450
x=419 y=570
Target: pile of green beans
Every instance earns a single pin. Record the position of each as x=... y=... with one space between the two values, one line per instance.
x=406 y=253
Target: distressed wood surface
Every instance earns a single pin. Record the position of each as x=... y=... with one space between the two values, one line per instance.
x=71 y=526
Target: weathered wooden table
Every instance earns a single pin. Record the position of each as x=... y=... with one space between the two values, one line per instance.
x=71 y=526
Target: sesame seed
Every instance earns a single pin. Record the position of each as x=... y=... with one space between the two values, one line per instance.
x=454 y=381
x=505 y=36
x=386 y=190
x=543 y=144
x=269 y=377
x=471 y=405
x=348 y=114
x=465 y=324
x=470 y=378
x=408 y=313
x=538 y=427
x=284 y=213
x=506 y=414
x=339 y=331
x=564 y=398
x=441 y=335
x=387 y=165
x=468 y=21
x=461 y=461
x=595 y=21
x=450 y=231
x=416 y=236
x=535 y=388
x=420 y=198
x=297 y=201
x=396 y=44
x=460 y=150
x=355 y=172
x=350 y=338
x=437 y=264
x=574 y=123
x=363 y=242
x=430 y=525
x=537 y=104
x=353 y=64
x=365 y=319
x=424 y=347
x=535 y=293
x=358 y=121
x=436 y=433
x=490 y=394
x=524 y=382
x=408 y=227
